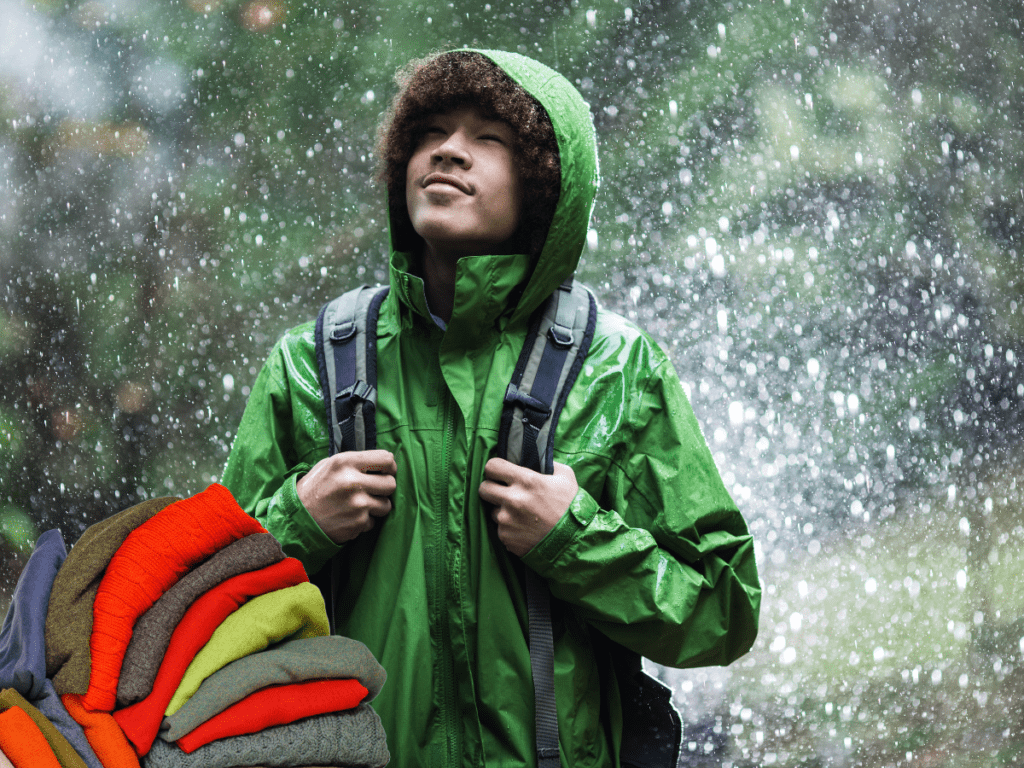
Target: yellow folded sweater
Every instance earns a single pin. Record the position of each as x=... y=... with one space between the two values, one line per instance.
x=292 y=613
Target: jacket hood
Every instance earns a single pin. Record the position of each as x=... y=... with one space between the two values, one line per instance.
x=488 y=285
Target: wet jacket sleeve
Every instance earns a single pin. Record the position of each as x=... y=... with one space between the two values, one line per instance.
x=667 y=569
x=264 y=465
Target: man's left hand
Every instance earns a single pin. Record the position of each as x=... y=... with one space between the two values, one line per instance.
x=527 y=504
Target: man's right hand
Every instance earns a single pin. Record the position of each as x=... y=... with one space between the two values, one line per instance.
x=345 y=492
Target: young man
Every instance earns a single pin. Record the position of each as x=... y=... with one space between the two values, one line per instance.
x=490 y=164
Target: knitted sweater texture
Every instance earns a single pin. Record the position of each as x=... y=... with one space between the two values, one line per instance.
x=105 y=737
x=23 y=742
x=61 y=748
x=315 y=658
x=153 y=631
x=296 y=612
x=69 y=614
x=152 y=558
x=23 y=645
x=354 y=738
x=279 y=705
x=141 y=721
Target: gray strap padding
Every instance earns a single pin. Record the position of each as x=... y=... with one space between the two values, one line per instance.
x=564 y=324
x=350 y=387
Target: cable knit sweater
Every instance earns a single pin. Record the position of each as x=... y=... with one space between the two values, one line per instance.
x=354 y=738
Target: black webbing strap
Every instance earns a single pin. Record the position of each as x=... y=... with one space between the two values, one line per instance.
x=542 y=665
x=350 y=391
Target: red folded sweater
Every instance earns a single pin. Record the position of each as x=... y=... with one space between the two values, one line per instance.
x=276 y=705
x=23 y=742
x=141 y=721
x=151 y=560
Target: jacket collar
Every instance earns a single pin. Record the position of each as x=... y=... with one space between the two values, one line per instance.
x=487 y=291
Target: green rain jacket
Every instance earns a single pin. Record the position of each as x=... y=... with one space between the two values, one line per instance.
x=652 y=553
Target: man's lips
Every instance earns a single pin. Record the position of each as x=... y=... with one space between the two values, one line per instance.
x=445 y=178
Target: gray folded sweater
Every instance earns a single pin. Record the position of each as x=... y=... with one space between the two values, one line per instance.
x=314 y=658
x=354 y=738
x=153 y=630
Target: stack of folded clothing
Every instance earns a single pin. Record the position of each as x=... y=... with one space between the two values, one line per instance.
x=178 y=632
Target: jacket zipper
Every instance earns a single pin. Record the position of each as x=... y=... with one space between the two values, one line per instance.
x=443 y=591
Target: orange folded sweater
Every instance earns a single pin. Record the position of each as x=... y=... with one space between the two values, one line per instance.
x=151 y=560
x=23 y=742
x=103 y=733
x=59 y=745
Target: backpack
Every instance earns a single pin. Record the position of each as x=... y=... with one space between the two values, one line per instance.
x=556 y=345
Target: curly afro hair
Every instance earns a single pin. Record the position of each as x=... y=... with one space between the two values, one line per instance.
x=448 y=81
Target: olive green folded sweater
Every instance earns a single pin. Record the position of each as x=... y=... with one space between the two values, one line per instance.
x=69 y=615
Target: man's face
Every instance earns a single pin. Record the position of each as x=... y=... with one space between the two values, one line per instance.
x=461 y=184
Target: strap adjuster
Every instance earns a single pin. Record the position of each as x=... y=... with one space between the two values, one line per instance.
x=342 y=333
x=358 y=391
x=560 y=336
x=530 y=404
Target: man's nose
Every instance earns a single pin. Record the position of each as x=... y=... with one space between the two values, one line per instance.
x=454 y=149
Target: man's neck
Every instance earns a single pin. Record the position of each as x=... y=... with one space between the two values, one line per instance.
x=439 y=280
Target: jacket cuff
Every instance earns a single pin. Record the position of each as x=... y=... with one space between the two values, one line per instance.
x=308 y=538
x=545 y=552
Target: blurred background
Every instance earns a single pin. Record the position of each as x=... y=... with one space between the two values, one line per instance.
x=815 y=207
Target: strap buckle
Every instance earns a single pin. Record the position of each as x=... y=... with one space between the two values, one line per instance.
x=513 y=397
x=342 y=333
x=346 y=400
x=359 y=391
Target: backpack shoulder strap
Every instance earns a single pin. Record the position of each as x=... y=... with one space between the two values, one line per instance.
x=553 y=354
x=551 y=359
x=346 y=355
x=346 y=347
